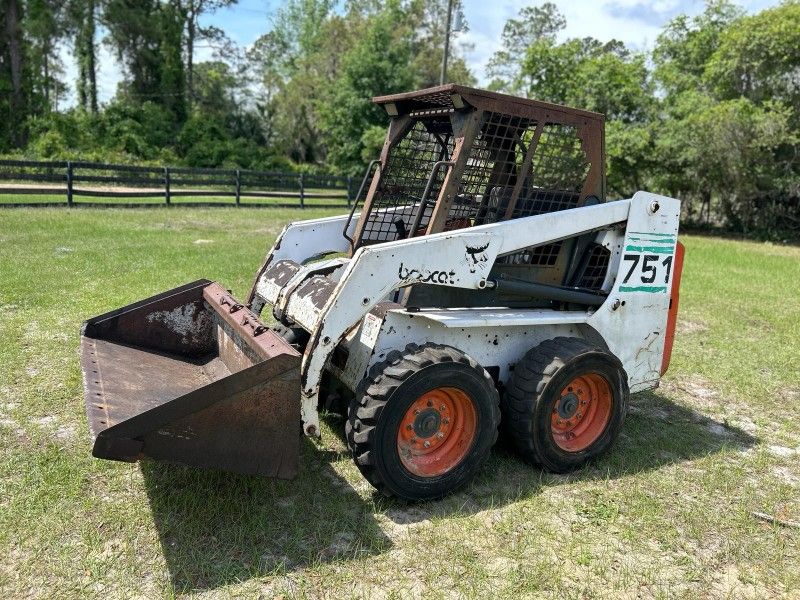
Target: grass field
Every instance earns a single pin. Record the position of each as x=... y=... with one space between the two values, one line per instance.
x=669 y=513
x=319 y=198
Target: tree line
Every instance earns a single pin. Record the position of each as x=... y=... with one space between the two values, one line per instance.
x=709 y=114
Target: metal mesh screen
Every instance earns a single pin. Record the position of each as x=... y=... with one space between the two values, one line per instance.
x=491 y=170
x=595 y=268
x=403 y=182
x=550 y=158
x=558 y=170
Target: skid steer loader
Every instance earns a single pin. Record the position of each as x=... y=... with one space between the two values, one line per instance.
x=485 y=275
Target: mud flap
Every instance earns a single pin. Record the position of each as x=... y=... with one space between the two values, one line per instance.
x=191 y=376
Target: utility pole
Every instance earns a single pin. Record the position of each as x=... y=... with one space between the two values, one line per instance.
x=443 y=75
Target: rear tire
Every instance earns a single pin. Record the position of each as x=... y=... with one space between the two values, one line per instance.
x=425 y=422
x=565 y=404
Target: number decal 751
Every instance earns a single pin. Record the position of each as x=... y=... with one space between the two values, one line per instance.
x=648 y=260
x=646 y=269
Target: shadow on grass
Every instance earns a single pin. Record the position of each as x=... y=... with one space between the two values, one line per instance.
x=657 y=432
x=218 y=528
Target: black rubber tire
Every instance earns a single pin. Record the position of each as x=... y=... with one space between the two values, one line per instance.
x=536 y=386
x=374 y=417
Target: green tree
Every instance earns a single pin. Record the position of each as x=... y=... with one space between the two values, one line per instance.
x=172 y=77
x=194 y=9
x=730 y=114
x=429 y=45
x=758 y=57
x=686 y=45
x=602 y=77
x=378 y=63
x=44 y=26
x=293 y=64
x=83 y=21
x=536 y=24
x=134 y=33
x=15 y=79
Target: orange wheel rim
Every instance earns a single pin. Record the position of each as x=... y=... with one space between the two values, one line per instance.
x=581 y=413
x=437 y=431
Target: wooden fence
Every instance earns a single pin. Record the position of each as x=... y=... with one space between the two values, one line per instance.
x=99 y=184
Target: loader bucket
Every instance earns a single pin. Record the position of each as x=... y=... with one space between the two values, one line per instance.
x=191 y=376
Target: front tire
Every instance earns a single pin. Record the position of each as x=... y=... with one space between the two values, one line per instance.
x=566 y=403
x=425 y=423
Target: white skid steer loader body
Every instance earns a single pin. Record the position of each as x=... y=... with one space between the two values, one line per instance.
x=641 y=234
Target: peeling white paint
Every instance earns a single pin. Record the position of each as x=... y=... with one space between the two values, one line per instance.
x=184 y=320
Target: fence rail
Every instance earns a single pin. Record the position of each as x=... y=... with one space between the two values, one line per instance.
x=74 y=180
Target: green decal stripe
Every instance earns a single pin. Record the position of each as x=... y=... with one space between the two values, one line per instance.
x=641 y=239
x=643 y=288
x=653 y=249
x=659 y=235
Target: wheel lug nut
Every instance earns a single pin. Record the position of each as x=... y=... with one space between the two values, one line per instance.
x=416 y=411
x=446 y=421
x=409 y=427
x=430 y=403
x=440 y=435
x=442 y=408
x=427 y=444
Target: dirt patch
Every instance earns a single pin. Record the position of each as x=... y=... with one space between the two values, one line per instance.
x=719 y=430
x=7 y=407
x=783 y=451
x=728 y=584
x=686 y=326
x=59 y=431
x=697 y=387
x=653 y=412
x=785 y=475
x=745 y=424
x=339 y=546
x=791 y=393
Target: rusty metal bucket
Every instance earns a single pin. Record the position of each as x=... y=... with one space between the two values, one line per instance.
x=191 y=376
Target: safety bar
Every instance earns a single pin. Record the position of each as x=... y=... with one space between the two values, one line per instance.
x=372 y=163
x=423 y=204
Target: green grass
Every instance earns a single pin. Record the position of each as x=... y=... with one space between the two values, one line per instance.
x=667 y=514
x=315 y=198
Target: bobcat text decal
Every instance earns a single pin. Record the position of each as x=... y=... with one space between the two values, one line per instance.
x=426 y=276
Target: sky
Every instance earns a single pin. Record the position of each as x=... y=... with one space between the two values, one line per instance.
x=635 y=22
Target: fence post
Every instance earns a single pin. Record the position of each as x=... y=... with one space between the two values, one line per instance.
x=302 y=191
x=238 y=187
x=69 y=183
x=167 y=195
x=349 y=190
